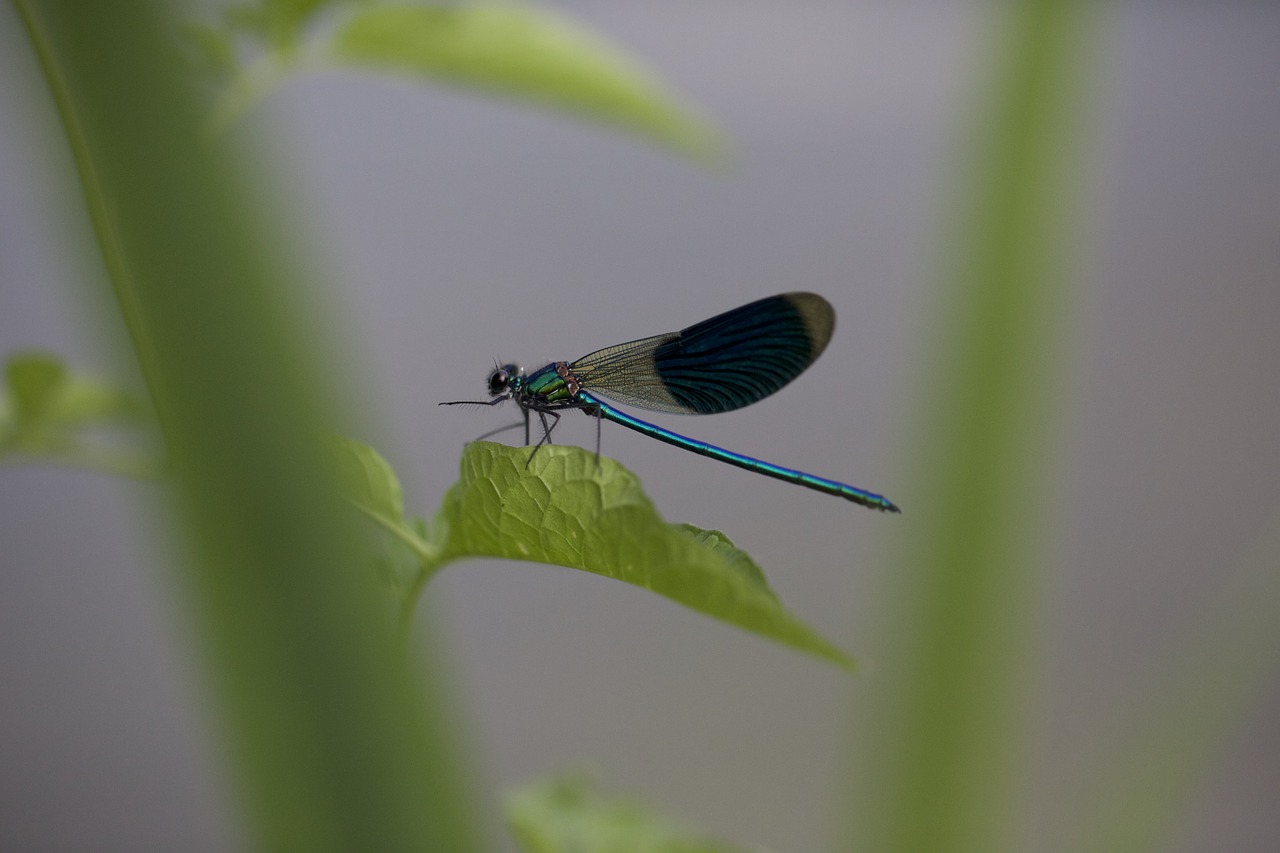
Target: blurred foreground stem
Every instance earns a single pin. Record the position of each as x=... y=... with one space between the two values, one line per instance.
x=945 y=728
x=332 y=739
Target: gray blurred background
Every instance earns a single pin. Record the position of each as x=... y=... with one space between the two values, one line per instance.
x=448 y=231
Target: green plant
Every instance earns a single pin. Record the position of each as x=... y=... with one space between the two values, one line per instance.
x=339 y=742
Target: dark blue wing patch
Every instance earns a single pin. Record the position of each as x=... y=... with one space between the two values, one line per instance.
x=744 y=355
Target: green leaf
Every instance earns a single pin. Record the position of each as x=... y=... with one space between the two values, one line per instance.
x=737 y=560
x=43 y=393
x=85 y=402
x=35 y=381
x=568 y=508
x=567 y=813
x=369 y=481
x=403 y=569
x=372 y=486
x=522 y=51
x=278 y=22
x=47 y=411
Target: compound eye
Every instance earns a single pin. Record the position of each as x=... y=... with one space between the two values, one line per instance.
x=498 y=381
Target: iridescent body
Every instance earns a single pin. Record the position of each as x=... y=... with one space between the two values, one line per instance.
x=730 y=361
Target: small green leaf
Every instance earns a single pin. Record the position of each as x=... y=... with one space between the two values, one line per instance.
x=369 y=481
x=567 y=508
x=403 y=569
x=372 y=486
x=278 y=22
x=35 y=380
x=567 y=813
x=526 y=52
x=86 y=402
x=43 y=393
x=47 y=411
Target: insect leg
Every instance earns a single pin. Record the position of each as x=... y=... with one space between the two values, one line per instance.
x=515 y=425
x=546 y=431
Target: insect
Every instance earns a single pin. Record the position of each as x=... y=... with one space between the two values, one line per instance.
x=730 y=361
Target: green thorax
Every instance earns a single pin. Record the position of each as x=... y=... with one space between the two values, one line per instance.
x=552 y=384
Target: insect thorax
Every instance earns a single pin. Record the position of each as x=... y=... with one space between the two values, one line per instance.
x=551 y=384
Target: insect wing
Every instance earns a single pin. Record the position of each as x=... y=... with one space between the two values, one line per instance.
x=724 y=363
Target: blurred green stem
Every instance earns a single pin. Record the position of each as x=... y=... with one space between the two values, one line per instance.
x=91 y=186
x=334 y=742
x=943 y=735
x=1138 y=795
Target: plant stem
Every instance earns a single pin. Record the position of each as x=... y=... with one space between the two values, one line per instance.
x=943 y=735
x=109 y=244
x=336 y=744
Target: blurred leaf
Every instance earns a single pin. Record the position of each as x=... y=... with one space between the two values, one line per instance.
x=369 y=481
x=568 y=508
x=278 y=22
x=85 y=402
x=567 y=813
x=521 y=51
x=44 y=394
x=372 y=486
x=403 y=569
x=34 y=380
x=47 y=412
